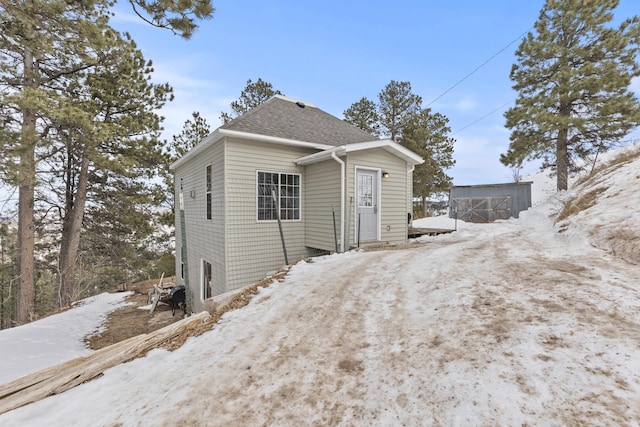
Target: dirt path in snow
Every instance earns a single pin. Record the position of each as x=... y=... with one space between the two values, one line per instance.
x=300 y=354
x=380 y=343
x=498 y=325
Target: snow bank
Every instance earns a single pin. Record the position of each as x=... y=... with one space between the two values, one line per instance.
x=54 y=339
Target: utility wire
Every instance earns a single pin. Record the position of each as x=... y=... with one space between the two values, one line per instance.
x=484 y=117
x=480 y=66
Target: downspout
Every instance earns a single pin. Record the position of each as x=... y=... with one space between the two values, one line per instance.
x=342 y=192
x=410 y=170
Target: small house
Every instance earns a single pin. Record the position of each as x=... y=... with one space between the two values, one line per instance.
x=280 y=183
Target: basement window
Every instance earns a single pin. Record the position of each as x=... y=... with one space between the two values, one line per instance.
x=206 y=280
x=278 y=193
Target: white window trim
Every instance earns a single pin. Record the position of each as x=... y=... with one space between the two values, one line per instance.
x=208 y=192
x=299 y=196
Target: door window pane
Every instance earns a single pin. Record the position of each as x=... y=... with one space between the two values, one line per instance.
x=365 y=190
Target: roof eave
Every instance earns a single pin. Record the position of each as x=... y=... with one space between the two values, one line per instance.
x=273 y=139
x=218 y=134
x=391 y=146
x=321 y=156
x=208 y=141
x=386 y=144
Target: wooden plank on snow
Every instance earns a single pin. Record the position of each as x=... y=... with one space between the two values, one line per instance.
x=62 y=377
x=156 y=295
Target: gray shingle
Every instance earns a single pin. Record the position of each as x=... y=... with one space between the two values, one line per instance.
x=283 y=118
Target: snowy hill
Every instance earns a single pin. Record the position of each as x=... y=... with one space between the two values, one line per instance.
x=519 y=322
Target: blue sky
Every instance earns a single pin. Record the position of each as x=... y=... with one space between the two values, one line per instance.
x=331 y=53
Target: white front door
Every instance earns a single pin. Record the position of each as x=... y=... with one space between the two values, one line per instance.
x=367 y=205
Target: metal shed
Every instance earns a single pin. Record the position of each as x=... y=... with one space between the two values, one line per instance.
x=486 y=203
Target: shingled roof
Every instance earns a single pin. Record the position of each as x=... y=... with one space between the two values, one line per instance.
x=287 y=118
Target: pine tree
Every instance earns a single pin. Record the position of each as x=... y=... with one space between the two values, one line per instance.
x=396 y=106
x=118 y=237
x=114 y=132
x=44 y=45
x=572 y=77
x=193 y=131
x=178 y=16
x=252 y=95
x=40 y=44
x=399 y=115
x=7 y=274
x=364 y=114
x=426 y=134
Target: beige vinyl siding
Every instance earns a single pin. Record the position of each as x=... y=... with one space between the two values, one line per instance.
x=322 y=192
x=409 y=176
x=393 y=192
x=254 y=248
x=205 y=238
x=242 y=249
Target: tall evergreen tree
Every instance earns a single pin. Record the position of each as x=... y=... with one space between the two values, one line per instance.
x=7 y=274
x=43 y=45
x=115 y=129
x=364 y=114
x=193 y=131
x=399 y=115
x=396 y=106
x=252 y=95
x=178 y=16
x=427 y=134
x=572 y=77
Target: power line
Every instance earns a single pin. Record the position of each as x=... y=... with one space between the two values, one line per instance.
x=480 y=66
x=484 y=117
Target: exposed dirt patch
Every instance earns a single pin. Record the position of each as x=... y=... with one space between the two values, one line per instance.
x=389 y=247
x=579 y=203
x=612 y=165
x=131 y=321
x=350 y=365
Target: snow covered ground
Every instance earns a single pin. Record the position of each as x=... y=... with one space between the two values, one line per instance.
x=519 y=322
x=54 y=339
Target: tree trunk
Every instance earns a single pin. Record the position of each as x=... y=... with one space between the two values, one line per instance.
x=562 y=160
x=424 y=206
x=70 y=241
x=2 y=278
x=26 y=191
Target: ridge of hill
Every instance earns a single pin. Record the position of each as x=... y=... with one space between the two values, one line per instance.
x=589 y=209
